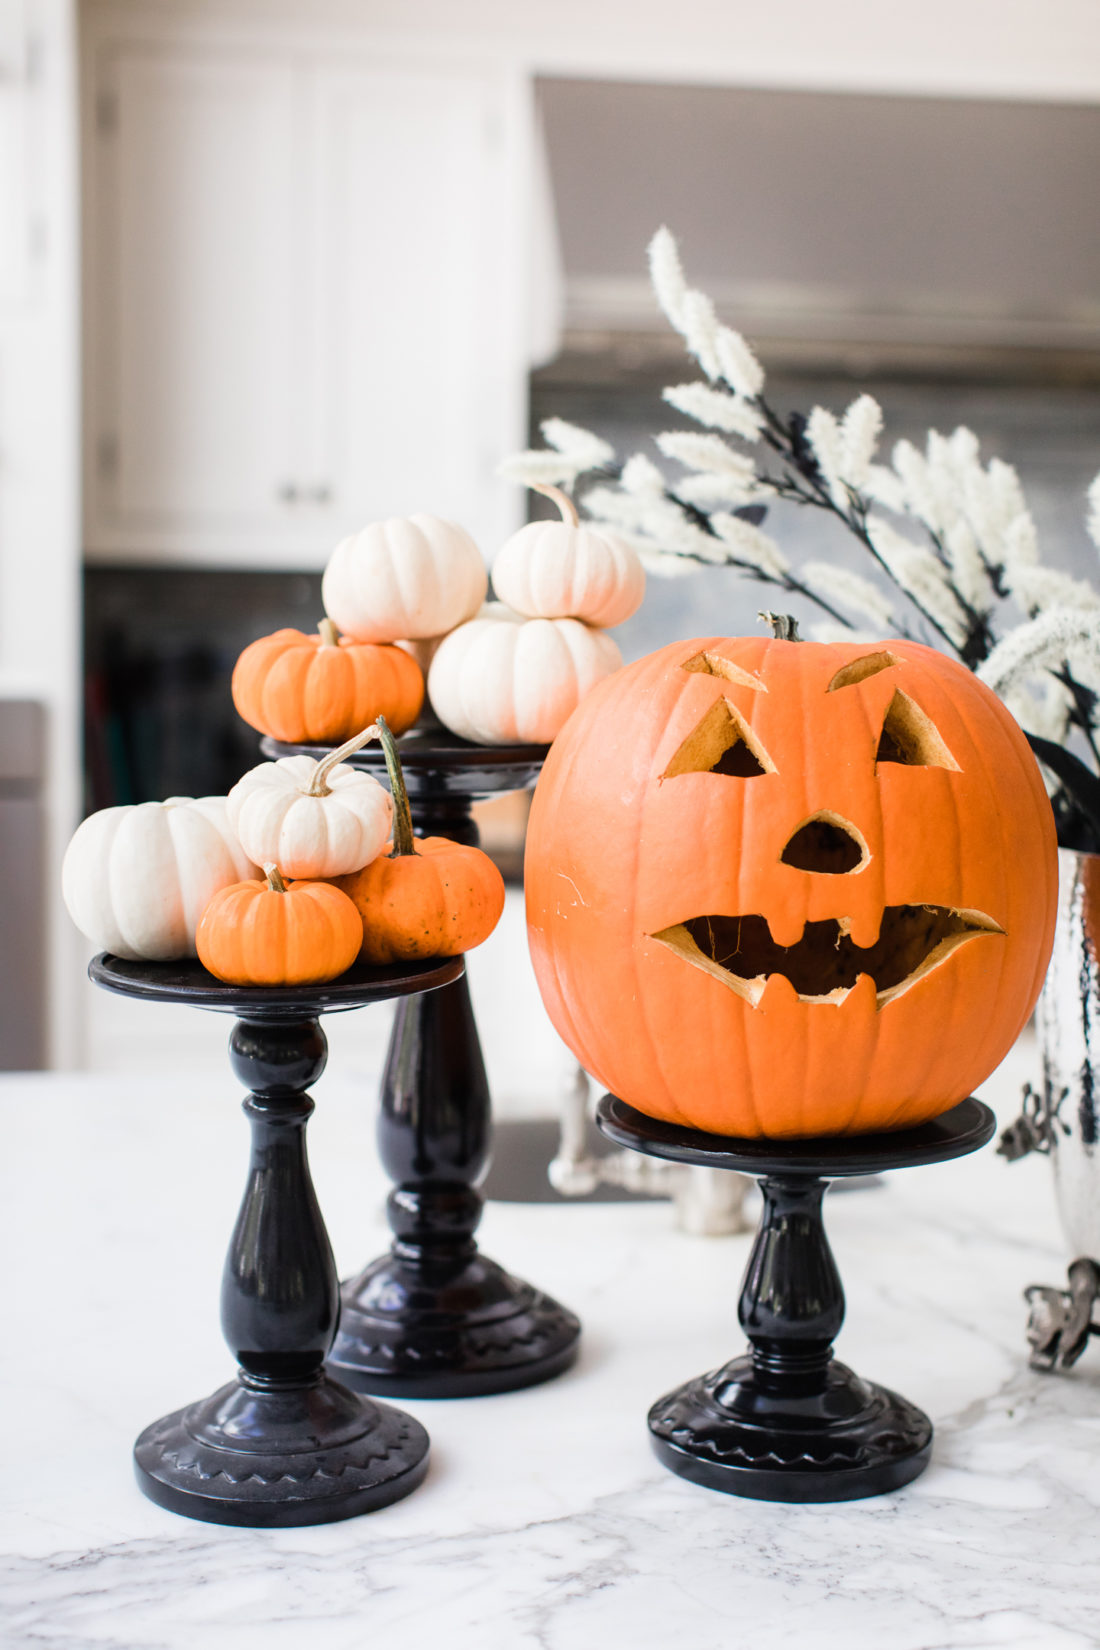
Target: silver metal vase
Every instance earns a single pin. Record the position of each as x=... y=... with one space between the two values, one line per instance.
x=1063 y=1120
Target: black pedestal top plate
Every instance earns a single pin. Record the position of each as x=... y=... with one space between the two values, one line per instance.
x=787 y=1422
x=438 y=764
x=187 y=981
x=956 y=1133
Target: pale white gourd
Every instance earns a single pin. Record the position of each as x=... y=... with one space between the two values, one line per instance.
x=501 y=679
x=561 y=569
x=312 y=819
x=137 y=879
x=404 y=578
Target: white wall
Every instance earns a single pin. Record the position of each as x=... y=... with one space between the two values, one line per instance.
x=39 y=463
x=993 y=48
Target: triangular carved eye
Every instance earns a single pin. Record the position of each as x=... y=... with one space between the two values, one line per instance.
x=722 y=743
x=909 y=736
x=713 y=664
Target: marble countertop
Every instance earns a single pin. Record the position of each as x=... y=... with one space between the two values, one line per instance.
x=545 y=1522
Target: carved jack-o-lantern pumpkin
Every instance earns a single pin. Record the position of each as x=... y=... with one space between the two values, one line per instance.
x=788 y=888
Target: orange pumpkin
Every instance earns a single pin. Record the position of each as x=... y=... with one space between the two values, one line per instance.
x=428 y=897
x=781 y=888
x=278 y=933
x=321 y=689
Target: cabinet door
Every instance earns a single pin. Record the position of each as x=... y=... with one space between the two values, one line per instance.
x=196 y=194
x=420 y=384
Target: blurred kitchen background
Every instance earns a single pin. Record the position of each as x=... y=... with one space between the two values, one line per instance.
x=270 y=270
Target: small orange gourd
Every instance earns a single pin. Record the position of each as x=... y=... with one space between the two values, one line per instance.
x=428 y=897
x=278 y=933
x=321 y=689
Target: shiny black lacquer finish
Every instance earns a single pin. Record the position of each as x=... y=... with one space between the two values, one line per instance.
x=787 y=1422
x=434 y=1318
x=283 y=1443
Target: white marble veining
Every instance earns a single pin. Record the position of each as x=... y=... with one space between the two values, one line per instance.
x=545 y=1523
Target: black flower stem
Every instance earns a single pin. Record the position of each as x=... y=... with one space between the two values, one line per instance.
x=777 y=436
x=1083 y=705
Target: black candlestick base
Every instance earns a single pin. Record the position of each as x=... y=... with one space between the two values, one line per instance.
x=409 y=1329
x=277 y=1458
x=434 y=1318
x=283 y=1444
x=787 y=1422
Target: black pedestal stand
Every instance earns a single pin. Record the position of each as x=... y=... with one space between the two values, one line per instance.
x=434 y=1318
x=282 y=1444
x=787 y=1422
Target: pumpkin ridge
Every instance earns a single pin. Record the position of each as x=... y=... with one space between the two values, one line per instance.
x=287 y=682
x=323 y=692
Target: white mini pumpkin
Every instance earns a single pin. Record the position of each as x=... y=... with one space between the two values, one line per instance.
x=137 y=879
x=502 y=679
x=560 y=569
x=312 y=819
x=404 y=578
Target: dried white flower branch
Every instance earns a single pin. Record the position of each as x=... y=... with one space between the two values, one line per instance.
x=976 y=548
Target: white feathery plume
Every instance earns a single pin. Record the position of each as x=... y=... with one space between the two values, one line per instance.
x=541 y=466
x=1006 y=493
x=1020 y=543
x=583 y=449
x=739 y=366
x=982 y=511
x=1084 y=661
x=663 y=565
x=698 y=451
x=968 y=570
x=965 y=447
x=667 y=275
x=1042 y=706
x=1092 y=520
x=641 y=476
x=749 y=544
x=860 y=430
x=848 y=589
x=830 y=630
x=825 y=437
x=700 y=331
x=1040 y=644
x=1036 y=588
x=716 y=408
x=952 y=467
x=917 y=492
x=658 y=519
x=885 y=488
x=709 y=488
x=921 y=576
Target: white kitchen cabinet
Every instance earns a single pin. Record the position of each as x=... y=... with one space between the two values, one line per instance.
x=304 y=305
x=411 y=249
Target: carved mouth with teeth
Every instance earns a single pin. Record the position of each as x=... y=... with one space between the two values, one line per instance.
x=826 y=963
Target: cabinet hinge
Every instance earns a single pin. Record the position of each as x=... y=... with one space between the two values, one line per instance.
x=106 y=113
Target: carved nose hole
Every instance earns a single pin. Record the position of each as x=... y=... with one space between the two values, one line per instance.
x=827 y=844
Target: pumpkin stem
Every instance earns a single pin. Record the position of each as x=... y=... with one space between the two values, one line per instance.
x=274 y=876
x=330 y=636
x=562 y=500
x=786 y=628
x=318 y=785
x=403 y=839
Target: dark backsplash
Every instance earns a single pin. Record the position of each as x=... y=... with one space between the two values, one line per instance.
x=159 y=649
